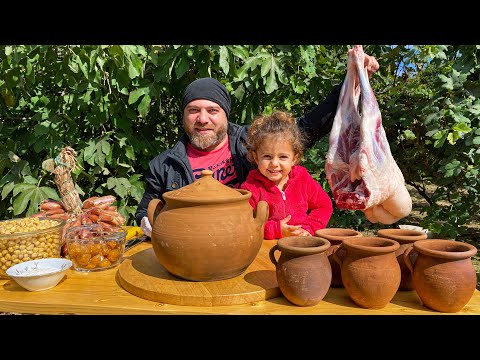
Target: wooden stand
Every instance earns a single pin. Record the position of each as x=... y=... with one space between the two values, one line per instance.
x=144 y=276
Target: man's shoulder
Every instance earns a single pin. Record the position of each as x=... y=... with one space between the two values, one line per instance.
x=236 y=129
x=178 y=151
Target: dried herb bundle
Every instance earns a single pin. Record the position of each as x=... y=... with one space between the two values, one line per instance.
x=65 y=163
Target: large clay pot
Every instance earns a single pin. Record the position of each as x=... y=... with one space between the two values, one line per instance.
x=405 y=238
x=336 y=236
x=303 y=270
x=370 y=270
x=206 y=231
x=443 y=275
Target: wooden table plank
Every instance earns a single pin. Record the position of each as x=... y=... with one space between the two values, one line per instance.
x=101 y=293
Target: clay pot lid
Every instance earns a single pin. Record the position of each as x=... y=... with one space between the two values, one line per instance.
x=337 y=233
x=205 y=189
x=402 y=234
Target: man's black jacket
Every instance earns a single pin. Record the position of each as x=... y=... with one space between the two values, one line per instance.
x=171 y=169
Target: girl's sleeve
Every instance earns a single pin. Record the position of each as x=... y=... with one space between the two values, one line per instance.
x=254 y=199
x=273 y=229
x=319 y=205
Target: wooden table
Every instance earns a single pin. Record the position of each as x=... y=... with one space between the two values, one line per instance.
x=100 y=293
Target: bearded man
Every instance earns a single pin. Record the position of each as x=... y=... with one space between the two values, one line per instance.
x=212 y=142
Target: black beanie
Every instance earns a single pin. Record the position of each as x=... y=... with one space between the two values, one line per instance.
x=209 y=89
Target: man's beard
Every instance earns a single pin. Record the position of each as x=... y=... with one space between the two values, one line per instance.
x=203 y=142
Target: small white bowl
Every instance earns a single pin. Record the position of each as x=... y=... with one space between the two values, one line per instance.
x=41 y=274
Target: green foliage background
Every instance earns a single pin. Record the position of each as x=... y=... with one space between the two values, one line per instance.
x=119 y=106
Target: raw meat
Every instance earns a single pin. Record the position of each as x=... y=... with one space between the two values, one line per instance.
x=359 y=165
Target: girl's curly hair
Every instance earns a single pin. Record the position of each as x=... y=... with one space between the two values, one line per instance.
x=280 y=125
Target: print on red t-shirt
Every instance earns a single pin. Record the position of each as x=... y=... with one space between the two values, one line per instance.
x=220 y=161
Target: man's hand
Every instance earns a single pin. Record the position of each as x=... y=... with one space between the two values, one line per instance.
x=370 y=63
x=146 y=227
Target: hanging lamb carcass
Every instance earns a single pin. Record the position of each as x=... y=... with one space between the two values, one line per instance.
x=359 y=165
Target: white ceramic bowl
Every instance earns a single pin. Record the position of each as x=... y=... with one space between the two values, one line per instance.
x=40 y=274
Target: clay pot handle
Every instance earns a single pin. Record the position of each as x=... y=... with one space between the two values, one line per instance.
x=406 y=259
x=272 y=255
x=154 y=208
x=336 y=257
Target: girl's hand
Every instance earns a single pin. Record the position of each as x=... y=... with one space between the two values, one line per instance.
x=304 y=233
x=292 y=230
x=289 y=230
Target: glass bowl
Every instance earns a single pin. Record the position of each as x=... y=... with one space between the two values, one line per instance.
x=40 y=274
x=29 y=238
x=92 y=247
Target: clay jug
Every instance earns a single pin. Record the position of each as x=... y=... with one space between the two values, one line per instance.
x=206 y=231
x=303 y=270
x=405 y=238
x=336 y=236
x=443 y=275
x=370 y=270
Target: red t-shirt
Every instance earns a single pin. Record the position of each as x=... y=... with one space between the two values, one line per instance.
x=220 y=161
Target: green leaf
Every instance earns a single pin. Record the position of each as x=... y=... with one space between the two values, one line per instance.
x=476 y=140
x=129 y=152
x=453 y=168
x=266 y=66
x=7 y=189
x=135 y=94
x=250 y=63
x=132 y=70
x=239 y=92
x=99 y=155
x=181 y=67
x=462 y=127
x=240 y=52
x=30 y=195
x=224 y=59
x=124 y=165
x=439 y=143
x=30 y=180
x=281 y=75
x=121 y=186
x=271 y=84
x=447 y=82
x=73 y=67
x=453 y=137
x=105 y=147
x=409 y=135
x=439 y=134
x=89 y=151
x=86 y=97
x=41 y=129
x=144 y=106
x=82 y=66
x=137 y=63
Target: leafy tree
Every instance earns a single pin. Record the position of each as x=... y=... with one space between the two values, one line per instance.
x=118 y=106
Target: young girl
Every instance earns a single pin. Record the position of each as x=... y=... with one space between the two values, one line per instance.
x=298 y=206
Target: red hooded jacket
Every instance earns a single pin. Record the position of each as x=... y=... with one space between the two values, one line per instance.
x=303 y=198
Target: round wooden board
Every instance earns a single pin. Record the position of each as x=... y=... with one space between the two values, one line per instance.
x=141 y=274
